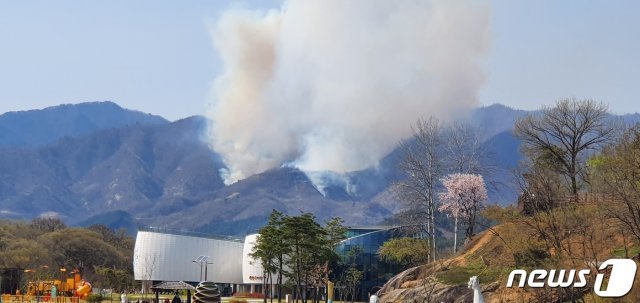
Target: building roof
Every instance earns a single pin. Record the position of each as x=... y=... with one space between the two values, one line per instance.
x=173 y=285
x=373 y=227
x=189 y=234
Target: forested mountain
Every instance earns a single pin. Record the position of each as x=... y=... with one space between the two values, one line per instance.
x=125 y=168
x=36 y=128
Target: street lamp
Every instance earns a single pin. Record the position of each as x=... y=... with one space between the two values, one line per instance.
x=202 y=260
x=206 y=267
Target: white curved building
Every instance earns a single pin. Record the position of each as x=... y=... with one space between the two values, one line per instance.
x=168 y=255
x=252 y=272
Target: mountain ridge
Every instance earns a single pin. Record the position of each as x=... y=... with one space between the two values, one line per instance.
x=38 y=127
x=162 y=173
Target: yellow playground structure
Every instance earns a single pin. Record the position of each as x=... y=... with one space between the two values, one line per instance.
x=56 y=291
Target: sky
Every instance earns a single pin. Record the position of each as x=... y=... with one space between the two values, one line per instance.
x=158 y=57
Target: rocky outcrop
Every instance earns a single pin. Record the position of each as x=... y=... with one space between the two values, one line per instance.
x=417 y=285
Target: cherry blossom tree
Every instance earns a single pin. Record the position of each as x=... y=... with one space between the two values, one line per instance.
x=463 y=195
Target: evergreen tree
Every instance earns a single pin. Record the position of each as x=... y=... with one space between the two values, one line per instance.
x=270 y=250
x=298 y=248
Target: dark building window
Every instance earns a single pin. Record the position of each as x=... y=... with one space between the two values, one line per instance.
x=375 y=271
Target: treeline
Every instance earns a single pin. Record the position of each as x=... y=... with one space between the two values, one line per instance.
x=298 y=253
x=44 y=246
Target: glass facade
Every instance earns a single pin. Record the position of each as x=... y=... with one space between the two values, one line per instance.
x=366 y=242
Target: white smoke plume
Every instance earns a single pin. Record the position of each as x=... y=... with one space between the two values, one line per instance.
x=332 y=85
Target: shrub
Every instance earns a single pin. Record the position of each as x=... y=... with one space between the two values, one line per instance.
x=531 y=258
x=94 y=298
x=252 y=295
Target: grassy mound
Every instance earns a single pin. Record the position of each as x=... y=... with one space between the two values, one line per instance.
x=573 y=237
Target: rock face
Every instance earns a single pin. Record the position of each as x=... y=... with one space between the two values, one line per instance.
x=206 y=292
x=416 y=285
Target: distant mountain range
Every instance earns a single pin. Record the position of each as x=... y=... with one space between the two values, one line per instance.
x=36 y=128
x=99 y=163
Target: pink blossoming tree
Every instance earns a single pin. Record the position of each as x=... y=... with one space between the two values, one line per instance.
x=463 y=196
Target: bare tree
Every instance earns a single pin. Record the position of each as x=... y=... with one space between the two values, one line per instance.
x=564 y=133
x=48 y=224
x=464 y=151
x=148 y=262
x=618 y=172
x=465 y=154
x=427 y=289
x=542 y=190
x=432 y=151
x=423 y=165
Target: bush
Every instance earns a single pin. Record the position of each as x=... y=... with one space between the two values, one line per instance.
x=94 y=298
x=252 y=295
x=531 y=258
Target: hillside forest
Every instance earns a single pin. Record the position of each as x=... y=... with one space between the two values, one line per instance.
x=579 y=206
x=46 y=249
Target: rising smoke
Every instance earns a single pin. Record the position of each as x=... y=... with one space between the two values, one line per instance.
x=333 y=85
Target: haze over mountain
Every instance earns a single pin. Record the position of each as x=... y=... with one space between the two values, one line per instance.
x=105 y=164
x=35 y=128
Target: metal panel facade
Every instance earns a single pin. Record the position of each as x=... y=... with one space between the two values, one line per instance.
x=168 y=257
